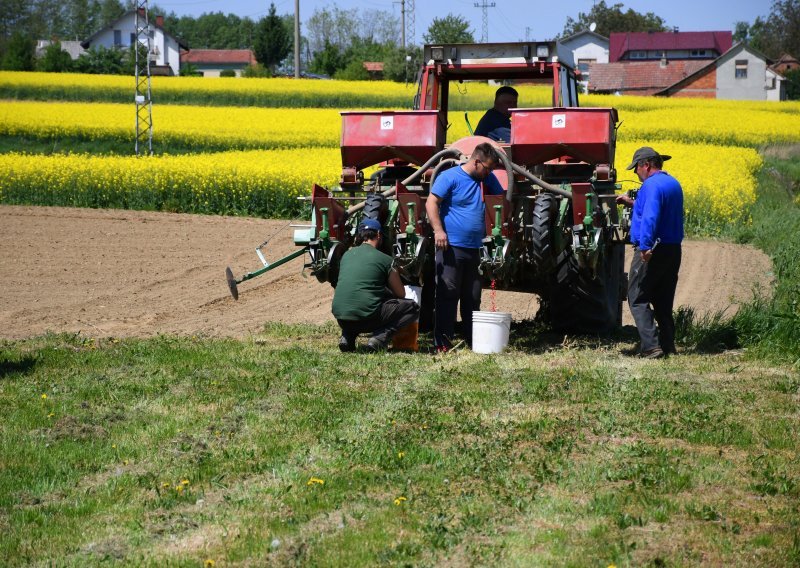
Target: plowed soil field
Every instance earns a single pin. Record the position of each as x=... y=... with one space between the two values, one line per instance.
x=131 y=273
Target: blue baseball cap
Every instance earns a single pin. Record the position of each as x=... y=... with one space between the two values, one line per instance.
x=371 y=224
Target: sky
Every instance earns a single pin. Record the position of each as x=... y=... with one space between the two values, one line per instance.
x=509 y=20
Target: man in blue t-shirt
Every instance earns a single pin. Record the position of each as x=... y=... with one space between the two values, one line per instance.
x=496 y=123
x=656 y=234
x=456 y=214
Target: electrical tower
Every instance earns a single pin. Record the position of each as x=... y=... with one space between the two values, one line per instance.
x=409 y=37
x=144 y=103
x=485 y=5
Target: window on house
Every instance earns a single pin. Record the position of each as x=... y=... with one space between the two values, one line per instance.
x=698 y=53
x=133 y=38
x=741 y=69
x=117 y=38
x=639 y=54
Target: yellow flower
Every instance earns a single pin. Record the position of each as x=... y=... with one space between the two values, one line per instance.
x=315 y=480
x=209 y=563
x=51 y=415
x=401 y=454
x=44 y=396
x=399 y=501
x=165 y=484
x=185 y=482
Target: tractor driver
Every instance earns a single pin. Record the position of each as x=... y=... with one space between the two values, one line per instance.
x=369 y=296
x=496 y=123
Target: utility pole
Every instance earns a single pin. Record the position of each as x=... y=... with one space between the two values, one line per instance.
x=485 y=5
x=143 y=99
x=296 y=39
x=402 y=22
x=527 y=33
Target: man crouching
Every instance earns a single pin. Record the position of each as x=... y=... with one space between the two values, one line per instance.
x=369 y=296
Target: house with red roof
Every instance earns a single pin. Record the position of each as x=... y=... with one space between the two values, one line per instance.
x=685 y=64
x=651 y=46
x=212 y=62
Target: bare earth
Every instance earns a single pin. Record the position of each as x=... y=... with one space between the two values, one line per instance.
x=131 y=273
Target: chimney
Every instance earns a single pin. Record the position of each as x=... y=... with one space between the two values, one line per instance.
x=160 y=21
x=675 y=30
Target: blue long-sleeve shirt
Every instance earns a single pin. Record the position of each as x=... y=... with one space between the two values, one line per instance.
x=658 y=212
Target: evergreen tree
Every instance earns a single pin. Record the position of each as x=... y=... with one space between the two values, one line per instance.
x=19 y=53
x=272 y=42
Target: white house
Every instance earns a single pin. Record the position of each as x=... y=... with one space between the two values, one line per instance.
x=121 y=34
x=584 y=48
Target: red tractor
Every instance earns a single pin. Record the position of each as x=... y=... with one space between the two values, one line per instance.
x=556 y=232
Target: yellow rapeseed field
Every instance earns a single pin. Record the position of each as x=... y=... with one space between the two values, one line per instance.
x=713 y=142
x=244 y=182
x=223 y=128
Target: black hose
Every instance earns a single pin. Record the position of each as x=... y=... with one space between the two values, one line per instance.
x=440 y=166
x=455 y=152
x=540 y=182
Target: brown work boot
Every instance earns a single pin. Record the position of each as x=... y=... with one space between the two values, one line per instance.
x=654 y=353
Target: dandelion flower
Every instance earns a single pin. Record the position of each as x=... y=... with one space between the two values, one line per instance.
x=399 y=501
x=44 y=396
x=315 y=480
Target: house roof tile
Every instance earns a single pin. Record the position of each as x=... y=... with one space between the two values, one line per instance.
x=621 y=43
x=219 y=56
x=645 y=77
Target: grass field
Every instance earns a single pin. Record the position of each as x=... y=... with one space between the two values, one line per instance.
x=282 y=451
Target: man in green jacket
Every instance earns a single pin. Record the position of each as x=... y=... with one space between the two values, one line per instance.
x=369 y=296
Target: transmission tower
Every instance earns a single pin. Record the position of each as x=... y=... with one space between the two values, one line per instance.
x=409 y=7
x=144 y=103
x=485 y=5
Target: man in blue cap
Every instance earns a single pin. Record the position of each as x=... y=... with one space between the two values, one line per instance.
x=656 y=234
x=369 y=296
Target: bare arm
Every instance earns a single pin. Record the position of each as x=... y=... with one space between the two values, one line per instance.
x=432 y=209
x=396 y=285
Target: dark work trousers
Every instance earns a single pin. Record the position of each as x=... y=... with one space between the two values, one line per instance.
x=457 y=282
x=653 y=283
x=393 y=314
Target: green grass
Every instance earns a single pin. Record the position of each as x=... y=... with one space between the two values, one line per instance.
x=546 y=455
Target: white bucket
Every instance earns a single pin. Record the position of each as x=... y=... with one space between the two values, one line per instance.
x=490 y=331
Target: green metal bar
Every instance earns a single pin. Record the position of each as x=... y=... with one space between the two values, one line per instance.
x=325 y=232
x=496 y=230
x=275 y=264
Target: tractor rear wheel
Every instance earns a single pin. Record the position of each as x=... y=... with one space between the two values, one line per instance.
x=545 y=209
x=583 y=303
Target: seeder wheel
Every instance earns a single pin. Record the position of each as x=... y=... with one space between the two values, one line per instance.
x=231 y=283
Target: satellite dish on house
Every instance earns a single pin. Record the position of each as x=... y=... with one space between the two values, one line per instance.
x=592 y=27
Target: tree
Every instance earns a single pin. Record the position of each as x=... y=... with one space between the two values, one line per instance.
x=777 y=33
x=353 y=71
x=402 y=65
x=611 y=19
x=450 y=29
x=19 y=54
x=327 y=61
x=273 y=41
x=793 y=85
x=103 y=61
x=54 y=59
